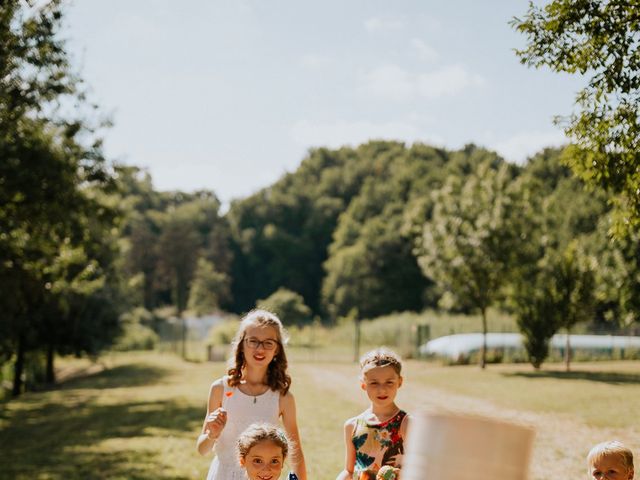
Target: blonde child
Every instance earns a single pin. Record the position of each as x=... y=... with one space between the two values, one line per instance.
x=610 y=461
x=262 y=450
x=375 y=438
x=255 y=389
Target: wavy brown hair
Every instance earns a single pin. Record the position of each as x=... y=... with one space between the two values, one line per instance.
x=277 y=377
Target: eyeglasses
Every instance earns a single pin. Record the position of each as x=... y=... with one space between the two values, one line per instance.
x=254 y=343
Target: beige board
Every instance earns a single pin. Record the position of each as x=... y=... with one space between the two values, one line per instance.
x=450 y=446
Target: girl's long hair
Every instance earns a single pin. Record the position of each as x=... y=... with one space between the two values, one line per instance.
x=277 y=377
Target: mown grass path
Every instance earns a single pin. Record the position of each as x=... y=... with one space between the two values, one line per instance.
x=137 y=415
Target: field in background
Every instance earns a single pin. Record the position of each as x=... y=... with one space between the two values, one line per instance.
x=317 y=342
x=136 y=415
x=404 y=332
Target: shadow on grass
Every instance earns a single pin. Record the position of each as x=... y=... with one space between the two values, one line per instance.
x=133 y=375
x=41 y=438
x=614 y=378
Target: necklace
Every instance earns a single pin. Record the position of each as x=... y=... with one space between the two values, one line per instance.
x=250 y=393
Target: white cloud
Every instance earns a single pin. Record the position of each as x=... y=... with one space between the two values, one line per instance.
x=315 y=62
x=425 y=52
x=389 y=82
x=520 y=146
x=447 y=81
x=341 y=132
x=381 y=24
x=392 y=82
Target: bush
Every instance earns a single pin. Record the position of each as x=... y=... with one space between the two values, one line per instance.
x=136 y=337
x=223 y=333
x=137 y=332
x=289 y=306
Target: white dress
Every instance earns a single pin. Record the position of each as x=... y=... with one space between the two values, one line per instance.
x=242 y=411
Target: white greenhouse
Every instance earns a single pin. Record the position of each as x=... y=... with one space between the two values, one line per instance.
x=460 y=346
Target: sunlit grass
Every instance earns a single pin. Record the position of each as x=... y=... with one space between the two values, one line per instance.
x=139 y=417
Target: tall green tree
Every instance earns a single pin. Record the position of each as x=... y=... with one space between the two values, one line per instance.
x=536 y=277
x=598 y=39
x=573 y=290
x=466 y=245
x=617 y=293
x=50 y=164
x=536 y=316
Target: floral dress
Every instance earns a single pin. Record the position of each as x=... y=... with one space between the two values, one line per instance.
x=377 y=444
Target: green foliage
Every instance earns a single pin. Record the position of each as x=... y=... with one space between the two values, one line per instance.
x=536 y=316
x=598 y=40
x=165 y=233
x=208 y=289
x=136 y=336
x=288 y=305
x=57 y=247
x=468 y=243
x=371 y=265
x=281 y=233
x=222 y=333
x=542 y=274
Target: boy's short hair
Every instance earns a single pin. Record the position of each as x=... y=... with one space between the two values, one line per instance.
x=380 y=357
x=611 y=448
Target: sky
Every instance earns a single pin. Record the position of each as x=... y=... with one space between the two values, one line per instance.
x=229 y=95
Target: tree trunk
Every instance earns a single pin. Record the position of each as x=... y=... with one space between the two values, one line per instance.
x=356 y=341
x=567 y=352
x=184 y=336
x=483 y=355
x=18 y=368
x=50 y=372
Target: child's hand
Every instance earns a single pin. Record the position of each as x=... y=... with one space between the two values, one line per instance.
x=215 y=423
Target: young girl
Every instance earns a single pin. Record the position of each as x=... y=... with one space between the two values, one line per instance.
x=262 y=449
x=255 y=389
x=375 y=438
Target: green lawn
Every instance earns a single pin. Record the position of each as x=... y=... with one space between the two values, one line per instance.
x=139 y=417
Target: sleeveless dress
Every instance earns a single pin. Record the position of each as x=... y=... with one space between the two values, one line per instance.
x=377 y=444
x=242 y=411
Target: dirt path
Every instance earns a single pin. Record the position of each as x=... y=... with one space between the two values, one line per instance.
x=562 y=440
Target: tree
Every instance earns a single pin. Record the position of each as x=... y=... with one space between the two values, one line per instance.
x=536 y=277
x=50 y=171
x=209 y=288
x=536 y=317
x=371 y=266
x=617 y=280
x=288 y=305
x=466 y=245
x=600 y=40
x=573 y=289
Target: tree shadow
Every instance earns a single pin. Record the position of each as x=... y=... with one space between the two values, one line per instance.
x=44 y=438
x=613 y=378
x=133 y=375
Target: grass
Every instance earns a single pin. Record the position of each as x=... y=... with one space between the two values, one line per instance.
x=139 y=417
x=600 y=394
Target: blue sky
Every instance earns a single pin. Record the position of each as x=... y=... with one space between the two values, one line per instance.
x=228 y=95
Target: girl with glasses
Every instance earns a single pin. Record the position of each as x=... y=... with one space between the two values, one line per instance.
x=255 y=389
